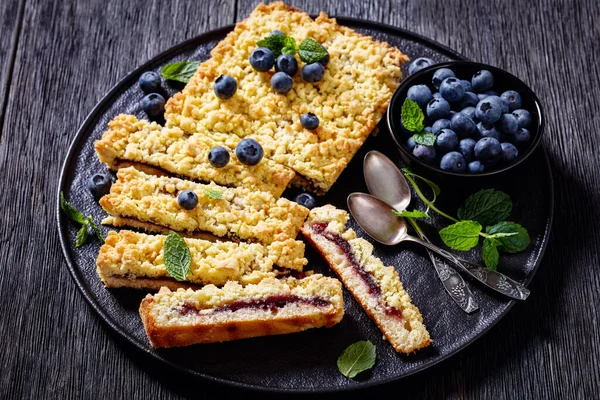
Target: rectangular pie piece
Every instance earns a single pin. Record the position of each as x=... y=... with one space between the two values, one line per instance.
x=136 y=260
x=241 y=213
x=129 y=140
x=212 y=314
x=376 y=287
x=349 y=101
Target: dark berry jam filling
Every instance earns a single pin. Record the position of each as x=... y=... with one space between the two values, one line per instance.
x=320 y=229
x=271 y=303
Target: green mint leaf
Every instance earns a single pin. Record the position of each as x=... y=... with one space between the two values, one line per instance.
x=412 y=116
x=70 y=210
x=488 y=207
x=180 y=71
x=277 y=44
x=213 y=194
x=489 y=253
x=357 y=357
x=82 y=235
x=95 y=228
x=424 y=138
x=311 y=51
x=410 y=214
x=289 y=46
x=463 y=235
x=177 y=257
x=510 y=244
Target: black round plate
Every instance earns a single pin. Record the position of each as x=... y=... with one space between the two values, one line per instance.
x=306 y=362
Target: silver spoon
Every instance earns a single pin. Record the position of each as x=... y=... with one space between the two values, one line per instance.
x=379 y=169
x=383 y=184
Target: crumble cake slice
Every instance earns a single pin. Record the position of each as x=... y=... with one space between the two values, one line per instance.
x=136 y=260
x=212 y=314
x=129 y=140
x=359 y=80
x=376 y=287
x=241 y=213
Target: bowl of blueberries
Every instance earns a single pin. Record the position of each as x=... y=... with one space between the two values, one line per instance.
x=464 y=119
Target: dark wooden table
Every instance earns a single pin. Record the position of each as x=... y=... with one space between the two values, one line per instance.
x=57 y=60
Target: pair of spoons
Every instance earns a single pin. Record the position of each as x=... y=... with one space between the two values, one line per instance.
x=389 y=189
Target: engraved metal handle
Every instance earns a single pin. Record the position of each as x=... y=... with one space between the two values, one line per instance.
x=454 y=284
x=492 y=279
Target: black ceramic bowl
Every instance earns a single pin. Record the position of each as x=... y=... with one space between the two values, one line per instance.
x=464 y=70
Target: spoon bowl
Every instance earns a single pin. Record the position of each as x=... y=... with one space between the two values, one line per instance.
x=385 y=180
x=375 y=217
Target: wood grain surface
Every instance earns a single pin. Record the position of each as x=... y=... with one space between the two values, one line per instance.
x=57 y=59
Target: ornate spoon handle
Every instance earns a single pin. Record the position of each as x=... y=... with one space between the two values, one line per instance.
x=454 y=284
x=495 y=280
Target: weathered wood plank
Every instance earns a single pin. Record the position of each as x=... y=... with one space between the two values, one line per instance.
x=69 y=54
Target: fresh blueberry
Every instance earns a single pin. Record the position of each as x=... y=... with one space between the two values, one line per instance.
x=470 y=99
x=452 y=114
x=419 y=64
x=463 y=125
x=454 y=162
x=262 y=59
x=187 y=200
x=466 y=85
x=99 y=185
x=440 y=75
x=469 y=112
x=249 y=152
x=481 y=96
x=509 y=152
x=492 y=93
x=225 y=87
x=512 y=98
x=452 y=90
x=446 y=141
x=507 y=124
x=309 y=121
x=521 y=137
x=218 y=157
x=475 y=167
x=489 y=110
x=281 y=82
x=306 y=200
x=428 y=129
x=523 y=118
x=438 y=109
x=482 y=80
x=424 y=153
x=467 y=148
x=437 y=95
x=153 y=104
x=286 y=63
x=503 y=104
x=276 y=32
x=439 y=125
x=489 y=151
x=420 y=94
x=488 y=131
x=410 y=144
x=313 y=72
x=149 y=81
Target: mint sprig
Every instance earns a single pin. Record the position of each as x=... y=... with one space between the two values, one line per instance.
x=412 y=116
x=180 y=71
x=279 y=44
x=424 y=138
x=178 y=258
x=86 y=222
x=213 y=193
x=357 y=357
x=311 y=51
x=410 y=214
x=488 y=208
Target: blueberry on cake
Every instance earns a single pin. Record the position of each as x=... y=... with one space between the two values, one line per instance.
x=212 y=314
x=376 y=287
x=237 y=213
x=149 y=146
x=136 y=260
